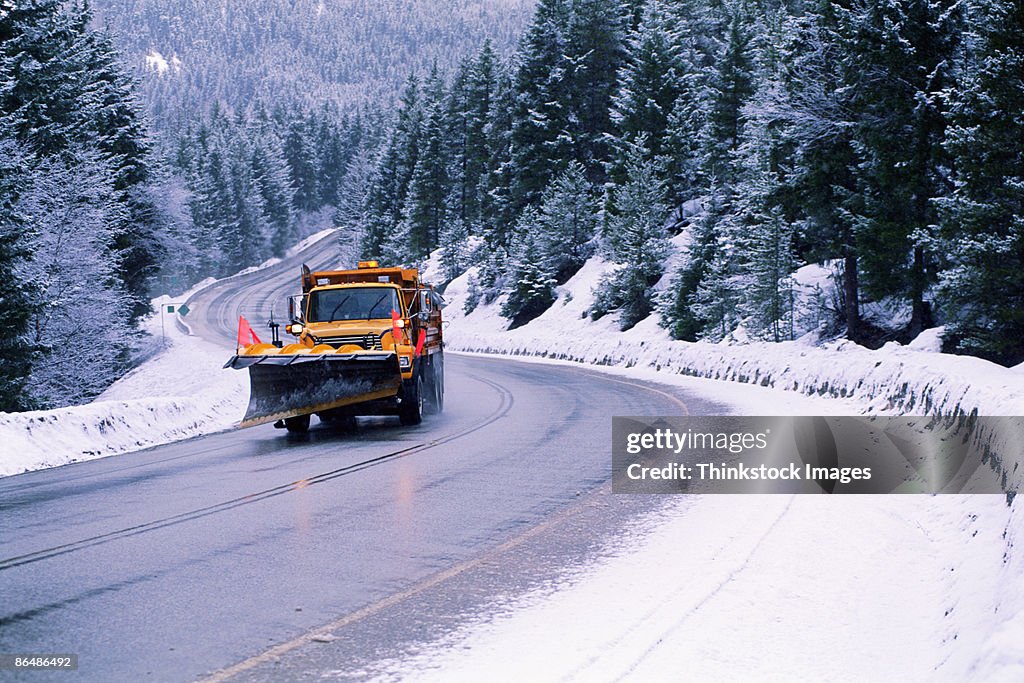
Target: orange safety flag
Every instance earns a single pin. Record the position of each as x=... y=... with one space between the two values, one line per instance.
x=246 y=336
x=396 y=331
x=419 y=342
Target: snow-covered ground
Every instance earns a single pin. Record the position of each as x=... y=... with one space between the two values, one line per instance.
x=766 y=588
x=179 y=392
x=754 y=588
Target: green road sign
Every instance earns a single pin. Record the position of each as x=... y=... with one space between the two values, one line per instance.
x=170 y=309
x=183 y=310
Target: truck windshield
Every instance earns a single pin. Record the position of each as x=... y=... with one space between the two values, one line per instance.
x=352 y=303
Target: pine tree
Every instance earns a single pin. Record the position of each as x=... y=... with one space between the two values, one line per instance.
x=758 y=237
x=424 y=210
x=121 y=136
x=649 y=84
x=271 y=178
x=540 y=145
x=636 y=241
x=18 y=294
x=531 y=290
x=681 y=310
x=567 y=222
x=352 y=194
x=497 y=210
x=731 y=86
x=455 y=248
x=900 y=55
x=330 y=158
x=210 y=208
x=245 y=239
x=983 y=218
x=595 y=42
x=817 y=107
x=469 y=111
x=717 y=298
x=302 y=162
x=389 y=186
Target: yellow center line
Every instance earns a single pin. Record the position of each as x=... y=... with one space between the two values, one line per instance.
x=277 y=651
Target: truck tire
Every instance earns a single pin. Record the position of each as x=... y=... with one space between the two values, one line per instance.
x=297 y=425
x=410 y=411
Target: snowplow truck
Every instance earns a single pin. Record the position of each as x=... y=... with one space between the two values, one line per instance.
x=369 y=342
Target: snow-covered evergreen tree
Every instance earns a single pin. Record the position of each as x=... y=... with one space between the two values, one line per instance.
x=273 y=183
x=983 y=218
x=18 y=293
x=455 y=248
x=730 y=86
x=636 y=240
x=302 y=163
x=424 y=211
x=567 y=221
x=900 y=59
x=540 y=145
x=649 y=84
x=531 y=289
x=817 y=107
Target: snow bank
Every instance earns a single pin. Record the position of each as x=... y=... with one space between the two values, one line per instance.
x=179 y=393
x=725 y=588
x=871 y=587
x=910 y=380
x=36 y=440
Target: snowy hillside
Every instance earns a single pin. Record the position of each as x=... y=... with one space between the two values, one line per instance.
x=896 y=379
x=350 y=52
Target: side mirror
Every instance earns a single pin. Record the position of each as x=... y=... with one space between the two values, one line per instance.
x=296 y=308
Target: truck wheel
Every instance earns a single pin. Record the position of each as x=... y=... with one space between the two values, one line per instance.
x=411 y=410
x=297 y=425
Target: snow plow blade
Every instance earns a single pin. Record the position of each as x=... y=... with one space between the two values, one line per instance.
x=283 y=386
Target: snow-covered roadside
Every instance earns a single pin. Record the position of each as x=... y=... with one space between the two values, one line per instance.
x=760 y=587
x=895 y=378
x=756 y=588
x=178 y=393
x=909 y=380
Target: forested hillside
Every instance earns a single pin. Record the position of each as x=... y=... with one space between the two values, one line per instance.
x=880 y=138
x=80 y=223
x=126 y=173
x=346 y=53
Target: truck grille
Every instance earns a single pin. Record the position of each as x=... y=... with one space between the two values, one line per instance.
x=370 y=341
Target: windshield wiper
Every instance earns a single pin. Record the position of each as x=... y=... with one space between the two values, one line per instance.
x=369 y=314
x=335 y=310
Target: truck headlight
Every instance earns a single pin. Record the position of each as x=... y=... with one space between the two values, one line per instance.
x=404 y=362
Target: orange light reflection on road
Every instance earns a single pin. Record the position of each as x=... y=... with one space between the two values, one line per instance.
x=303 y=516
x=405 y=490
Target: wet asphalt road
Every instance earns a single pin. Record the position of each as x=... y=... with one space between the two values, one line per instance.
x=174 y=562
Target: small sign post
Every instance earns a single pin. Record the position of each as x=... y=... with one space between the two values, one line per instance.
x=182 y=310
